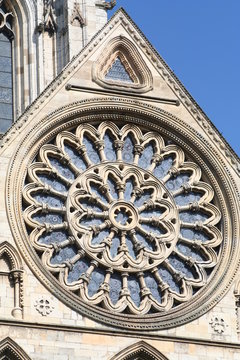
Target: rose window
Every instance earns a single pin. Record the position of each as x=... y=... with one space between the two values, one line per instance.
x=122 y=218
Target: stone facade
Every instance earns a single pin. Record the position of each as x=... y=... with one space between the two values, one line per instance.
x=40 y=316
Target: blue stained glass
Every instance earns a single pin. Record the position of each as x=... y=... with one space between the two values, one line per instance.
x=109 y=148
x=3 y=37
x=192 y=234
x=97 y=278
x=150 y=228
x=95 y=190
x=192 y=217
x=5 y=124
x=53 y=237
x=91 y=151
x=134 y=289
x=185 y=199
x=144 y=241
x=55 y=184
x=79 y=268
x=118 y=72
x=146 y=195
x=5 y=95
x=115 y=246
x=153 y=286
x=189 y=252
x=128 y=190
x=6 y=63
x=48 y=218
x=52 y=201
x=5 y=46
x=122 y=218
x=113 y=189
x=64 y=254
x=6 y=82
x=181 y=266
x=100 y=237
x=162 y=169
x=6 y=79
x=175 y=183
x=146 y=156
x=62 y=169
x=6 y=110
x=75 y=157
x=150 y=213
x=115 y=285
x=127 y=151
x=167 y=277
x=85 y=203
x=130 y=248
x=89 y=222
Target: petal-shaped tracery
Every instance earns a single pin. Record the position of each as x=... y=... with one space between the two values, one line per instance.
x=121 y=218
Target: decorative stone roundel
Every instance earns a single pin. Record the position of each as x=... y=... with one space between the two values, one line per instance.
x=123 y=220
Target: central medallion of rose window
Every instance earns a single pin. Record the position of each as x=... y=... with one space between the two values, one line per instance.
x=121 y=219
x=126 y=203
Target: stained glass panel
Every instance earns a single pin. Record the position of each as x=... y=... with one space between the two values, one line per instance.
x=118 y=72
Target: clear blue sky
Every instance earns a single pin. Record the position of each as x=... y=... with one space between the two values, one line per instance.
x=200 y=41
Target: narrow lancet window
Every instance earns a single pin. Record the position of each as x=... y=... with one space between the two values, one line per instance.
x=6 y=71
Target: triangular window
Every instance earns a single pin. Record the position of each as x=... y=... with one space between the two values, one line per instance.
x=118 y=72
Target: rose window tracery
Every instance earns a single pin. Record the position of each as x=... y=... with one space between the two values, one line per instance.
x=122 y=218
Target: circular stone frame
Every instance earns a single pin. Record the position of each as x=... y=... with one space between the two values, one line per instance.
x=126 y=111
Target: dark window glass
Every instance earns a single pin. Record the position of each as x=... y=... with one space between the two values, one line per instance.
x=6 y=79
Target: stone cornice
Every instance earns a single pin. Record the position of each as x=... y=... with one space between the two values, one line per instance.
x=118 y=332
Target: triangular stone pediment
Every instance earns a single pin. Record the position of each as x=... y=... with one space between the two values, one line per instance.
x=150 y=76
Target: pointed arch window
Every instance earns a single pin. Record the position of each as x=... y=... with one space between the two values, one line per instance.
x=139 y=351
x=9 y=350
x=6 y=68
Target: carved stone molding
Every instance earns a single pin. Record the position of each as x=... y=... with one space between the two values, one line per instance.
x=11 y=350
x=139 y=351
x=123 y=49
x=77 y=16
x=49 y=23
x=107 y=5
x=15 y=276
x=177 y=138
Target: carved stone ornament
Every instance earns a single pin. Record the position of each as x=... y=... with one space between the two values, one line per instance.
x=107 y=5
x=77 y=17
x=122 y=219
x=44 y=306
x=218 y=325
x=49 y=23
x=123 y=50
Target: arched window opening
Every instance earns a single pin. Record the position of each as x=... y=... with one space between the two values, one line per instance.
x=6 y=287
x=11 y=282
x=6 y=68
x=9 y=350
x=139 y=351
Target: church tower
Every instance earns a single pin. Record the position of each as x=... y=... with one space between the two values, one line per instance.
x=119 y=236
